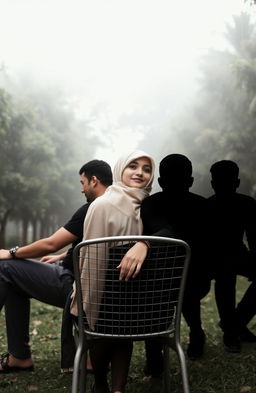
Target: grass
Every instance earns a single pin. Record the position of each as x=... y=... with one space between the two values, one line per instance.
x=217 y=372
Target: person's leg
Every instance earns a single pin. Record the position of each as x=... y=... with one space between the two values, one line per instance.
x=154 y=358
x=225 y=296
x=100 y=358
x=20 y=303
x=17 y=313
x=197 y=288
x=192 y=315
x=42 y=281
x=246 y=308
x=121 y=352
x=20 y=280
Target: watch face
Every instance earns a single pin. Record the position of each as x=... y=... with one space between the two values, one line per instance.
x=13 y=251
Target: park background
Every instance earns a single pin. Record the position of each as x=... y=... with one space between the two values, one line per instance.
x=92 y=79
x=87 y=79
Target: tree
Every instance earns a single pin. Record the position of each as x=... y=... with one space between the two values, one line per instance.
x=221 y=122
x=11 y=181
x=40 y=155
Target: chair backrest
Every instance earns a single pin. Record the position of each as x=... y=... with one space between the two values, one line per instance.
x=147 y=305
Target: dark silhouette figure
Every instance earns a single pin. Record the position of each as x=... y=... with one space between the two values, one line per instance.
x=233 y=218
x=177 y=212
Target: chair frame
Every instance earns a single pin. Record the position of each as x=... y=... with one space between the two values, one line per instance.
x=170 y=339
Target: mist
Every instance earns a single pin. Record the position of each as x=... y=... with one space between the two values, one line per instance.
x=135 y=60
x=87 y=79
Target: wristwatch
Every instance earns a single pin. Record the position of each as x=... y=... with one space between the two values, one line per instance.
x=13 y=251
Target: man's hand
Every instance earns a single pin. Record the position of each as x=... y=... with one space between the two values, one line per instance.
x=50 y=259
x=4 y=254
x=53 y=258
x=132 y=261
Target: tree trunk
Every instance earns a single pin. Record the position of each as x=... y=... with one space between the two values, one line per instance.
x=25 y=231
x=34 y=230
x=44 y=227
x=3 y=224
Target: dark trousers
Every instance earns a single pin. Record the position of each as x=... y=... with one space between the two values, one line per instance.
x=246 y=308
x=232 y=318
x=198 y=285
x=20 y=280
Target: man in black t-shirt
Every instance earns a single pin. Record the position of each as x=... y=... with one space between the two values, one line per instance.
x=49 y=280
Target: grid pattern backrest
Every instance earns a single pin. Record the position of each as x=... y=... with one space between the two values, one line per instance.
x=145 y=305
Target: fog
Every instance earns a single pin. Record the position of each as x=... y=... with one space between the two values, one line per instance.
x=136 y=60
x=87 y=79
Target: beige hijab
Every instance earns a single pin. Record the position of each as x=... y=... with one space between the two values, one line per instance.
x=116 y=213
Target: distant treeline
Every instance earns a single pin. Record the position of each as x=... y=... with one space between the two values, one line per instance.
x=42 y=148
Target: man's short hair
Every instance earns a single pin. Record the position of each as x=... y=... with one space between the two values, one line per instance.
x=224 y=168
x=177 y=163
x=98 y=168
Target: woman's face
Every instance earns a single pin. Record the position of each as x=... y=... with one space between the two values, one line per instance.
x=137 y=173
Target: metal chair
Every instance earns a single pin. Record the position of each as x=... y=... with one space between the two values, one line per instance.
x=148 y=306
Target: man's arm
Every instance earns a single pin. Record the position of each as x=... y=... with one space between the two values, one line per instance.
x=55 y=242
x=154 y=220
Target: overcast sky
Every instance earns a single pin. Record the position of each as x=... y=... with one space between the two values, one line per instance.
x=137 y=57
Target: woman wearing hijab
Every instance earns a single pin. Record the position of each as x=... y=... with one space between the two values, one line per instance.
x=116 y=213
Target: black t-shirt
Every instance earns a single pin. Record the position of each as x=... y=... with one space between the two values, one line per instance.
x=232 y=218
x=180 y=216
x=75 y=226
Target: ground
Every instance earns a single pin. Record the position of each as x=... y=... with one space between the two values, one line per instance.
x=217 y=372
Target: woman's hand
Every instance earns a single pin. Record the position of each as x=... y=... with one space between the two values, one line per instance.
x=131 y=263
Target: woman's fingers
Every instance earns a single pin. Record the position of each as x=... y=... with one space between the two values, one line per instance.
x=132 y=261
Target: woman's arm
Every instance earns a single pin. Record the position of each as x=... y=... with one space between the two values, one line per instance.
x=132 y=262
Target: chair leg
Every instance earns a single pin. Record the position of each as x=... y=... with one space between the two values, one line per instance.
x=79 y=370
x=167 y=378
x=82 y=375
x=183 y=366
